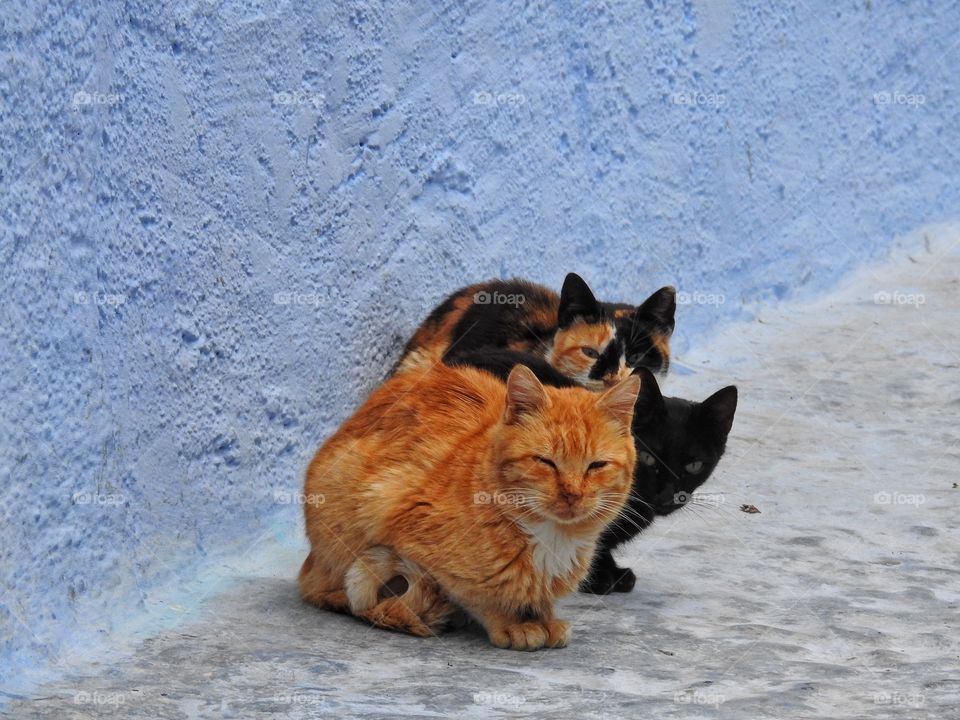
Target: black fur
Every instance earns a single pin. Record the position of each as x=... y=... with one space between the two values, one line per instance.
x=577 y=301
x=529 y=613
x=609 y=361
x=497 y=324
x=670 y=432
x=500 y=361
x=655 y=316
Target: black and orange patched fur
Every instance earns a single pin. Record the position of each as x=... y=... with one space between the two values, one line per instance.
x=594 y=343
x=453 y=489
x=645 y=330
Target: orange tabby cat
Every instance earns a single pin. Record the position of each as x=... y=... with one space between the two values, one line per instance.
x=452 y=488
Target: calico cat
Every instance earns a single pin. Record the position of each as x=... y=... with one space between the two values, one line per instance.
x=584 y=339
x=452 y=488
x=678 y=442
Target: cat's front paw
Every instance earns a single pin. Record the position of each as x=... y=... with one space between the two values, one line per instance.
x=532 y=635
x=625 y=580
x=599 y=582
x=603 y=581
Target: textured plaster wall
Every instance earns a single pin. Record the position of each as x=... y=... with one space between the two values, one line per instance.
x=219 y=221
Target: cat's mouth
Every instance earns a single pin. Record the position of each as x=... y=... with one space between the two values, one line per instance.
x=564 y=514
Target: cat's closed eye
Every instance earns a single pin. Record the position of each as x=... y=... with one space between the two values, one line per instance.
x=647 y=459
x=597 y=464
x=546 y=461
x=590 y=352
x=694 y=467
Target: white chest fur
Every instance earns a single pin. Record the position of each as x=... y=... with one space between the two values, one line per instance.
x=554 y=552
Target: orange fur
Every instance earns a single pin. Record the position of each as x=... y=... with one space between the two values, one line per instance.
x=567 y=356
x=432 y=339
x=436 y=479
x=662 y=343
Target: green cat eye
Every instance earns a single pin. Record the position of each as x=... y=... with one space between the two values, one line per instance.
x=597 y=464
x=590 y=352
x=694 y=467
x=647 y=459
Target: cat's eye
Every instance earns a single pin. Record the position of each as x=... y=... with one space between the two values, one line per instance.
x=546 y=461
x=694 y=467
x=590 y=352
x=597 y=464
x=647 y=459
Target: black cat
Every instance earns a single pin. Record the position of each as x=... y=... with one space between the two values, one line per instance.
x=679 y=443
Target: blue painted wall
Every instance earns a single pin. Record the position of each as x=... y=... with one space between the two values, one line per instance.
x=220 y=221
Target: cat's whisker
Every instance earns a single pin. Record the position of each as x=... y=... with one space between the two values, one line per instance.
x=637 y=518
x=618 y=516
x=641 y=501
x=624 y=518
x=697 y=511
x=709 y=505
x=524 y=514
x=630 y=512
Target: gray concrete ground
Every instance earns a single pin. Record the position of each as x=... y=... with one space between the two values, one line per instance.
x=838 y=599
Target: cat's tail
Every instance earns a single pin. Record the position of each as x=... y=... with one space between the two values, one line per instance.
x=395 y=593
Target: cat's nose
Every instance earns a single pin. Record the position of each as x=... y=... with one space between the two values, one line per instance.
x=571 y=497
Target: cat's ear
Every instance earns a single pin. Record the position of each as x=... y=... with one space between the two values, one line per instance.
x=650 y=406
x=661 y=308
x=620 y=400
x=525 y=394
x=717 y=410
x=576 y=300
